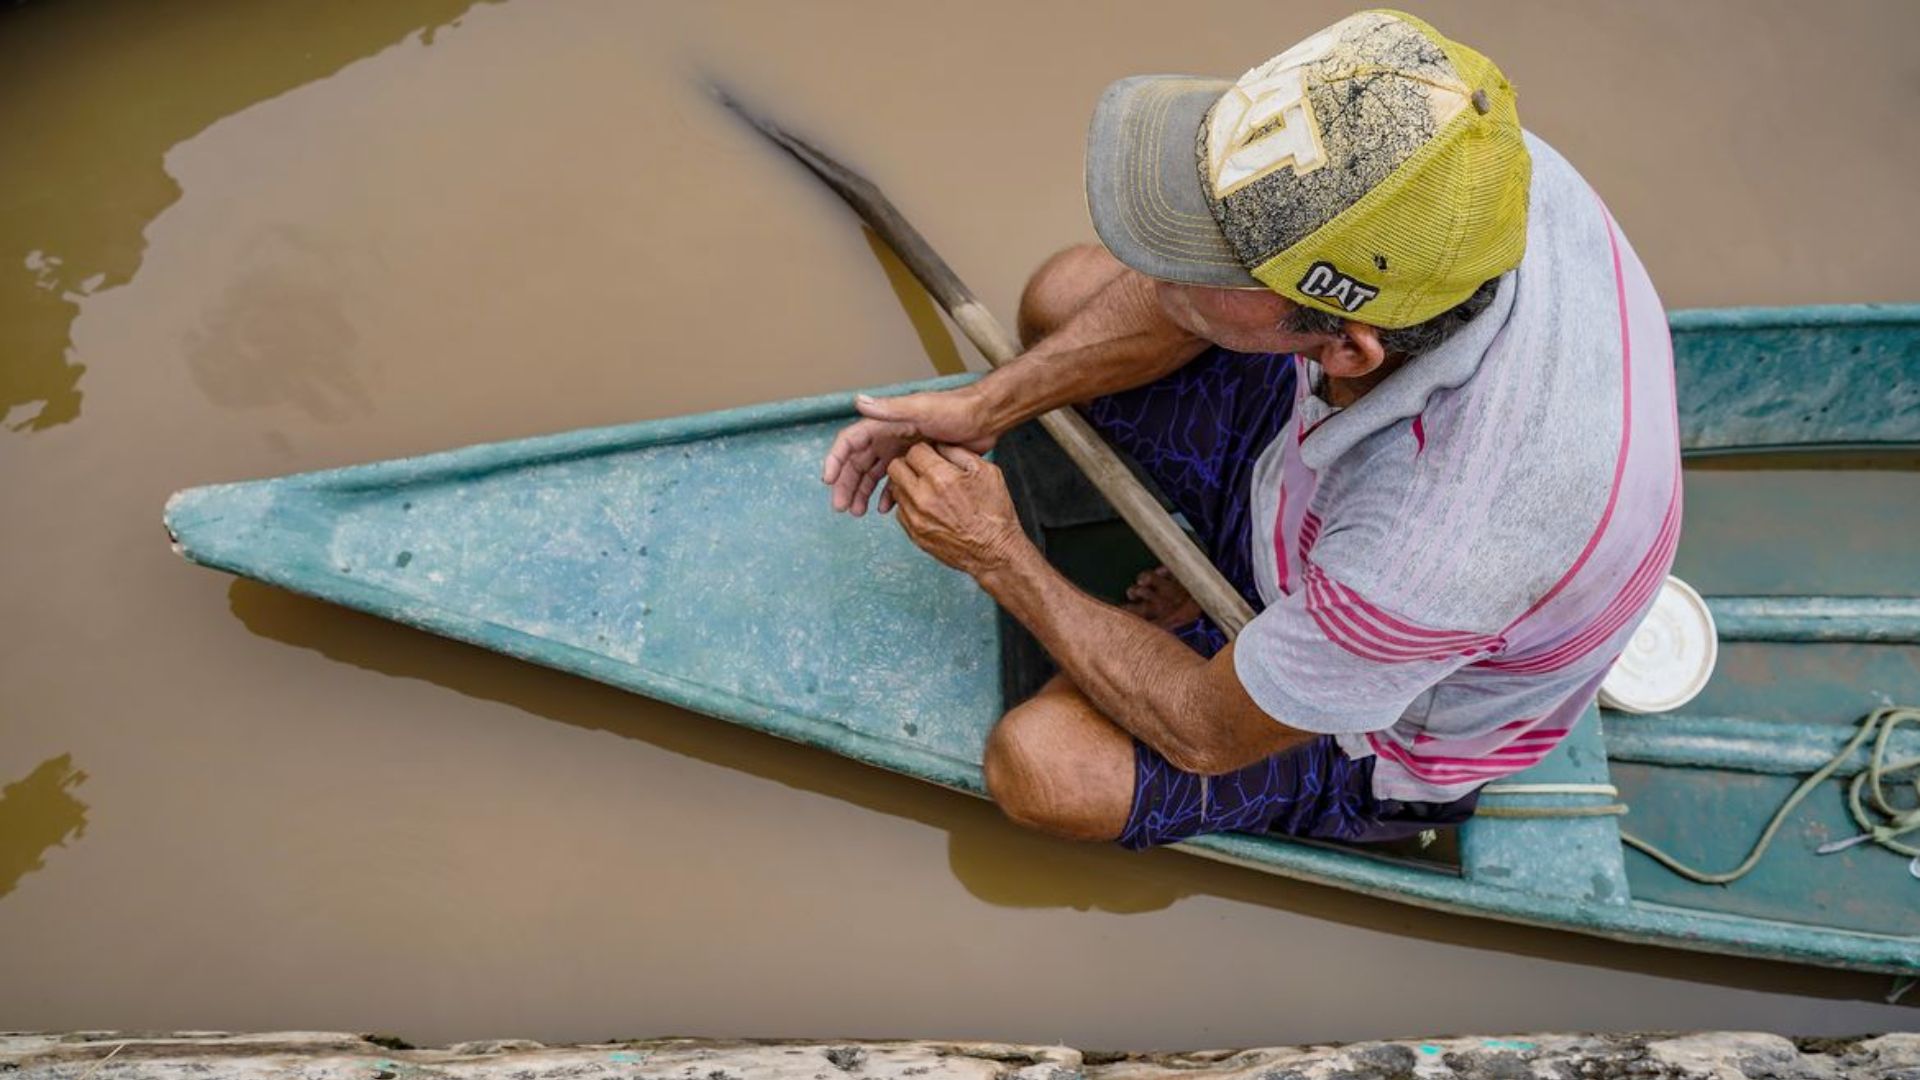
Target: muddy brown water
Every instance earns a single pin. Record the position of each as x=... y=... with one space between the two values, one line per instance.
x=240 y=240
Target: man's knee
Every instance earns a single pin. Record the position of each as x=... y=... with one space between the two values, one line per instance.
x=1050 y=770
x=1068 y=279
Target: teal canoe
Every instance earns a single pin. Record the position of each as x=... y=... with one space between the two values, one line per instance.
x=695 y=560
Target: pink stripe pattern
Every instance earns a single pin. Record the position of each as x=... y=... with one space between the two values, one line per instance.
x=1361 y=628
x=1625 y=607
x=1499 y=753
x=1280 y=544
x=1626 y=427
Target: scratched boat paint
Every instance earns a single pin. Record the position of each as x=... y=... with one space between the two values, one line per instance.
x=252 y=246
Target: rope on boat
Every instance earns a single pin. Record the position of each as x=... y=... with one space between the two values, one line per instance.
x=1870 y=782
x=1868 y=789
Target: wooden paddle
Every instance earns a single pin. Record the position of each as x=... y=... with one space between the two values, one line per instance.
x=1101 y=464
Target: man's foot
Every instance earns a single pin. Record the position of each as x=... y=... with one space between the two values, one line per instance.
x=1158 y=597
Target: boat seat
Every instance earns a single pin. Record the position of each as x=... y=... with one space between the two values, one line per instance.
x=1574 y=857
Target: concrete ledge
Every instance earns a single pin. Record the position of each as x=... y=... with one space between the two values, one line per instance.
x=332 y=1056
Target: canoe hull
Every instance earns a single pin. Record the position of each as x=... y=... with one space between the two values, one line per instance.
x=694 y=560
x=675 y=560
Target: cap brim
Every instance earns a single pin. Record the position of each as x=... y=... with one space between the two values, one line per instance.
x=1143 y=181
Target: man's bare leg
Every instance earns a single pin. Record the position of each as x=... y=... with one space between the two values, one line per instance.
x=1056 y=764
x=1065 y=282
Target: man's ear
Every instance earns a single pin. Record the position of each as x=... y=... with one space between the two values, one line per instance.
x=1357 y=352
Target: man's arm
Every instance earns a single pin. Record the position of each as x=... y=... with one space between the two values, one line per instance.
x=1117 y=340
x=1195 y=712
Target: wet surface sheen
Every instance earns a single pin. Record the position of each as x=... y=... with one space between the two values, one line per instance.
x=240 y=240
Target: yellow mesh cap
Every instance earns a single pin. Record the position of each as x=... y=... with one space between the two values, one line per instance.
x=1376 y=170
x=1451 y=216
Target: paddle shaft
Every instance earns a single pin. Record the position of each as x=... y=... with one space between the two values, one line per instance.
x=1101 y=464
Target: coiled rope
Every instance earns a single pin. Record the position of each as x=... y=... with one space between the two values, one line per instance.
x=1871 y=782
x=1869 y=790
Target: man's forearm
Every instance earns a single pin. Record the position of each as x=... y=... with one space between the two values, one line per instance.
x=1138 y=675
x=1117 y=340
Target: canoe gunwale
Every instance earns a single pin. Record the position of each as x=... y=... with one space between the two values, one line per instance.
x=1639 y=922
x=1793 y=317
x=1808 y=449
x=1802 y=619
x=1738 y=744
x=484 y=458
x=1833 y=378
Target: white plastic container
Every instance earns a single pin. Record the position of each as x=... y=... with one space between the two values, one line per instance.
x=1669 y=658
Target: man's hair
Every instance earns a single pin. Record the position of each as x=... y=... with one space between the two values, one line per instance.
x=1408 y=341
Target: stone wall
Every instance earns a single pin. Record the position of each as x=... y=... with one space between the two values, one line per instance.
x=331 y=1056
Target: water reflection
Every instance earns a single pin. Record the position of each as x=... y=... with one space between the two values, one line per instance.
x=281 y=335
x=38 y=813
x=994 y=860
x=1017 y=868
x=38 y=367
x=921 y=311
x=74 y=221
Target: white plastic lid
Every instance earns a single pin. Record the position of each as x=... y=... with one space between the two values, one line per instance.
x=1669 y=658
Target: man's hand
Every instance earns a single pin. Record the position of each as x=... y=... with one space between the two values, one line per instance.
x=954 y=504
x=860 y=455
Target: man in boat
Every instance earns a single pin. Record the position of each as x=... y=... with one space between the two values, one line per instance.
x=1406 y=380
